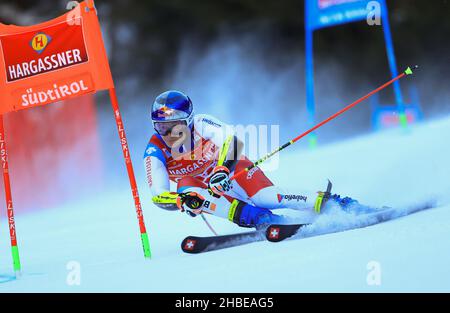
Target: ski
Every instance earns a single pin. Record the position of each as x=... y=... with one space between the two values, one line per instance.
x=273 y=233
x=194 y=244
x=383 y=215
x=278 y=232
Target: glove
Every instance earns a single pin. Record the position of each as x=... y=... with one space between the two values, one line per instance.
x=166 y=200
x=219 y=182
x=191 y=203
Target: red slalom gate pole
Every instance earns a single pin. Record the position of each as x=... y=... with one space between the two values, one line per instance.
x=129 y=165
x=408 y=71
x=9 y=202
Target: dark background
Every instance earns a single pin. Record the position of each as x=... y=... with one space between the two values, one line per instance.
x=243 y=60
x=145 y=36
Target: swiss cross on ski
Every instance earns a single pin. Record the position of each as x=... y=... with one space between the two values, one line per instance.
x=190 y=244
x=274 y=232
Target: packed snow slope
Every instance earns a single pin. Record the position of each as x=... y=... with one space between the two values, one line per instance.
x=387 y=168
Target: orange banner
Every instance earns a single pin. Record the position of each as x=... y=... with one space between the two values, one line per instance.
x=52 y=61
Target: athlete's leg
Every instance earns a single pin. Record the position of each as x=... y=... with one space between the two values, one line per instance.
x=276 y=198
x=259 y=190
x=251 y=182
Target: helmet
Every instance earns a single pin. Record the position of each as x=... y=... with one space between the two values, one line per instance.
x=171 y=108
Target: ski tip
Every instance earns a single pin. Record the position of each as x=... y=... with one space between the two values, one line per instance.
x=189 y=245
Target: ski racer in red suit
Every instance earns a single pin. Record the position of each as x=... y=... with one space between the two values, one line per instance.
x=200 y=153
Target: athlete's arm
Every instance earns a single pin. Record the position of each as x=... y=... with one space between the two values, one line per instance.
x=219 y=181
x=230 y=152
x=223 y=136
x=158 y=179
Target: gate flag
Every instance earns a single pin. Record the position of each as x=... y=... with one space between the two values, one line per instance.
x=52 y=61
x=324 y=13
x=320 y=14
x=56 y=60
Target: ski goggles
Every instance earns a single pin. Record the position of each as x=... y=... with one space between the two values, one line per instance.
x=165 y=128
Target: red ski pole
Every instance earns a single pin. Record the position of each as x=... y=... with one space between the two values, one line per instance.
x=408 y=71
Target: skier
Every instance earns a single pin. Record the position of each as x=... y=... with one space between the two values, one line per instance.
x=200 y=154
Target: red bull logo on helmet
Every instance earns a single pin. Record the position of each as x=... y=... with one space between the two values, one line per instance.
x=164 y=111
x=169 y=113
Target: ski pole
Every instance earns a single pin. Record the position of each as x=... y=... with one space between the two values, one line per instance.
x=408 y=71
x=208 y=224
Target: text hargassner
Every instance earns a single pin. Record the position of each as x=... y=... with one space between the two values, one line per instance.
x=42 y=65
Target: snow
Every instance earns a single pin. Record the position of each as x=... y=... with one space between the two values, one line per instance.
x=387 y=168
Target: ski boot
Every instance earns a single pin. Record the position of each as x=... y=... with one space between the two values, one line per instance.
x=327 y=199
x=247 y=215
